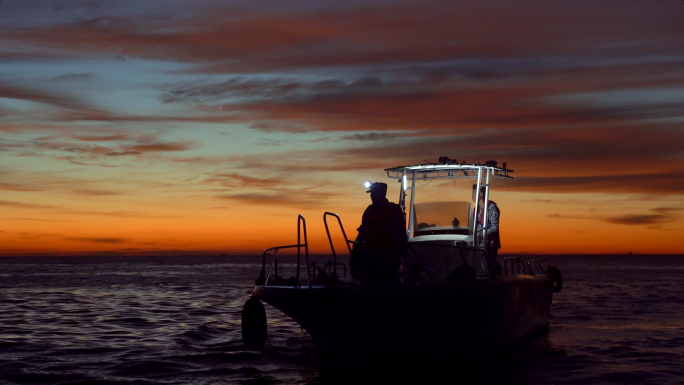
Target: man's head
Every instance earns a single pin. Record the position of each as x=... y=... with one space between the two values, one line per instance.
x=378 y=192
x=482 y=192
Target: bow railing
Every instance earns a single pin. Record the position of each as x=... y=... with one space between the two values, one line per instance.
x=264 y=277
x=332 y=247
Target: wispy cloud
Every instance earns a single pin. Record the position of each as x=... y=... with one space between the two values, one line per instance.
x=654 y=220
x=92 y=150
x=538 y=200
x=371 y=136
x=159 y=147
x=23 y=205
x=286 y=198
x=72 y=211
x=96 y=192
x=19 y=187
x=101 y=138
x=239 y=180
x=37 y=220
x=98 y=240
x=72 y=77
x=40 y=96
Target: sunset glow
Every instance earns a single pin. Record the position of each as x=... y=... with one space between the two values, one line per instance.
x=206 y=127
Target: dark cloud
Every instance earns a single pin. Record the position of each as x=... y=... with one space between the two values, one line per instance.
x=23 y=205
x=285 y=198
x=98 y=240
x=34 y=235
x=103 y=138
x=96 y=192
x=236 y=87
x=654 y=220
x=276 y=89
x=561 y=160
x=371 y=136
x=267 y=191
x=233 y=40
x=20 y=187
x=240 y=180
x=656 y=183
x=90 y=154
x=160 y=147
x=564 y=216
x=667 y=210
x=660 y=216
x=67 y=210
x=71 y=160
x=68 y=77
x=636 y=219
x=37 y=220
x=120 y=153
x=40 y=96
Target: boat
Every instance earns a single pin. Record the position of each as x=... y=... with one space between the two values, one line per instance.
x=448 y=298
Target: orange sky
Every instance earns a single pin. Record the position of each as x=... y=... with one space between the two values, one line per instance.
x=177 y=128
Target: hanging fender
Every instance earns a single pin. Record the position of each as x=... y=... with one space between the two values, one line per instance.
x=556 y=277
x=253 y=324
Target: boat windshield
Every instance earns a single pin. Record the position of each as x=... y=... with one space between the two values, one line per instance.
x=441 y=218
x=442 y=204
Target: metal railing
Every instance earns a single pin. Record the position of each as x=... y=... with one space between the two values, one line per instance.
x=301 y=224
x=332 y=247
x=519 y=266
x=264 y=276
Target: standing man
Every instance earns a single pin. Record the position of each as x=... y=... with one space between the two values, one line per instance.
x=381 y=241
x=493 y=241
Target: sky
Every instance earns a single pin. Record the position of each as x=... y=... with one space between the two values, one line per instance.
x=205 y=127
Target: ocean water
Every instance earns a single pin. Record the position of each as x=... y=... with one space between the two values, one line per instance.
x=176 y=320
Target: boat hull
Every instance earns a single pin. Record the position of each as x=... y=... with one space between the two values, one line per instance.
x=462 y=316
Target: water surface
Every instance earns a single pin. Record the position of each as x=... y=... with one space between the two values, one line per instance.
x=176 y=320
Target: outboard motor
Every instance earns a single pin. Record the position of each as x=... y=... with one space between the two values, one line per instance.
x=254 y=324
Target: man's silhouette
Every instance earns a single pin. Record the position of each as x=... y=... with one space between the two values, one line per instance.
x=381 y=241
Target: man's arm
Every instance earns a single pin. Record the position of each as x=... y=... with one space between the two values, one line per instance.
x=493 y=225
x=365 y=218
x=400 y=228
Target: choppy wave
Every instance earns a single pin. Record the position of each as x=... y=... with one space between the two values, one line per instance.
x=177 y=321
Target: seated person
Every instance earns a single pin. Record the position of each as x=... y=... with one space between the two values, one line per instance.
x=424 y=225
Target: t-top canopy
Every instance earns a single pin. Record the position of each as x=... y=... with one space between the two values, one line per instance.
x=452 y=168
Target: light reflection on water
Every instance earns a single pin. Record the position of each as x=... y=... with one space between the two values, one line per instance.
x=177 y=321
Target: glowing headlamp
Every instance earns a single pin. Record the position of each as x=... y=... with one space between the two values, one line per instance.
x=367 y=184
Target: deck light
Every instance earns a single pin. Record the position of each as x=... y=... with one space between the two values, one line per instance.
x=367 y=184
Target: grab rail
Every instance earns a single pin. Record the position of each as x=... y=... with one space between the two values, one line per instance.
x=347 y=241
x=301 y=223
